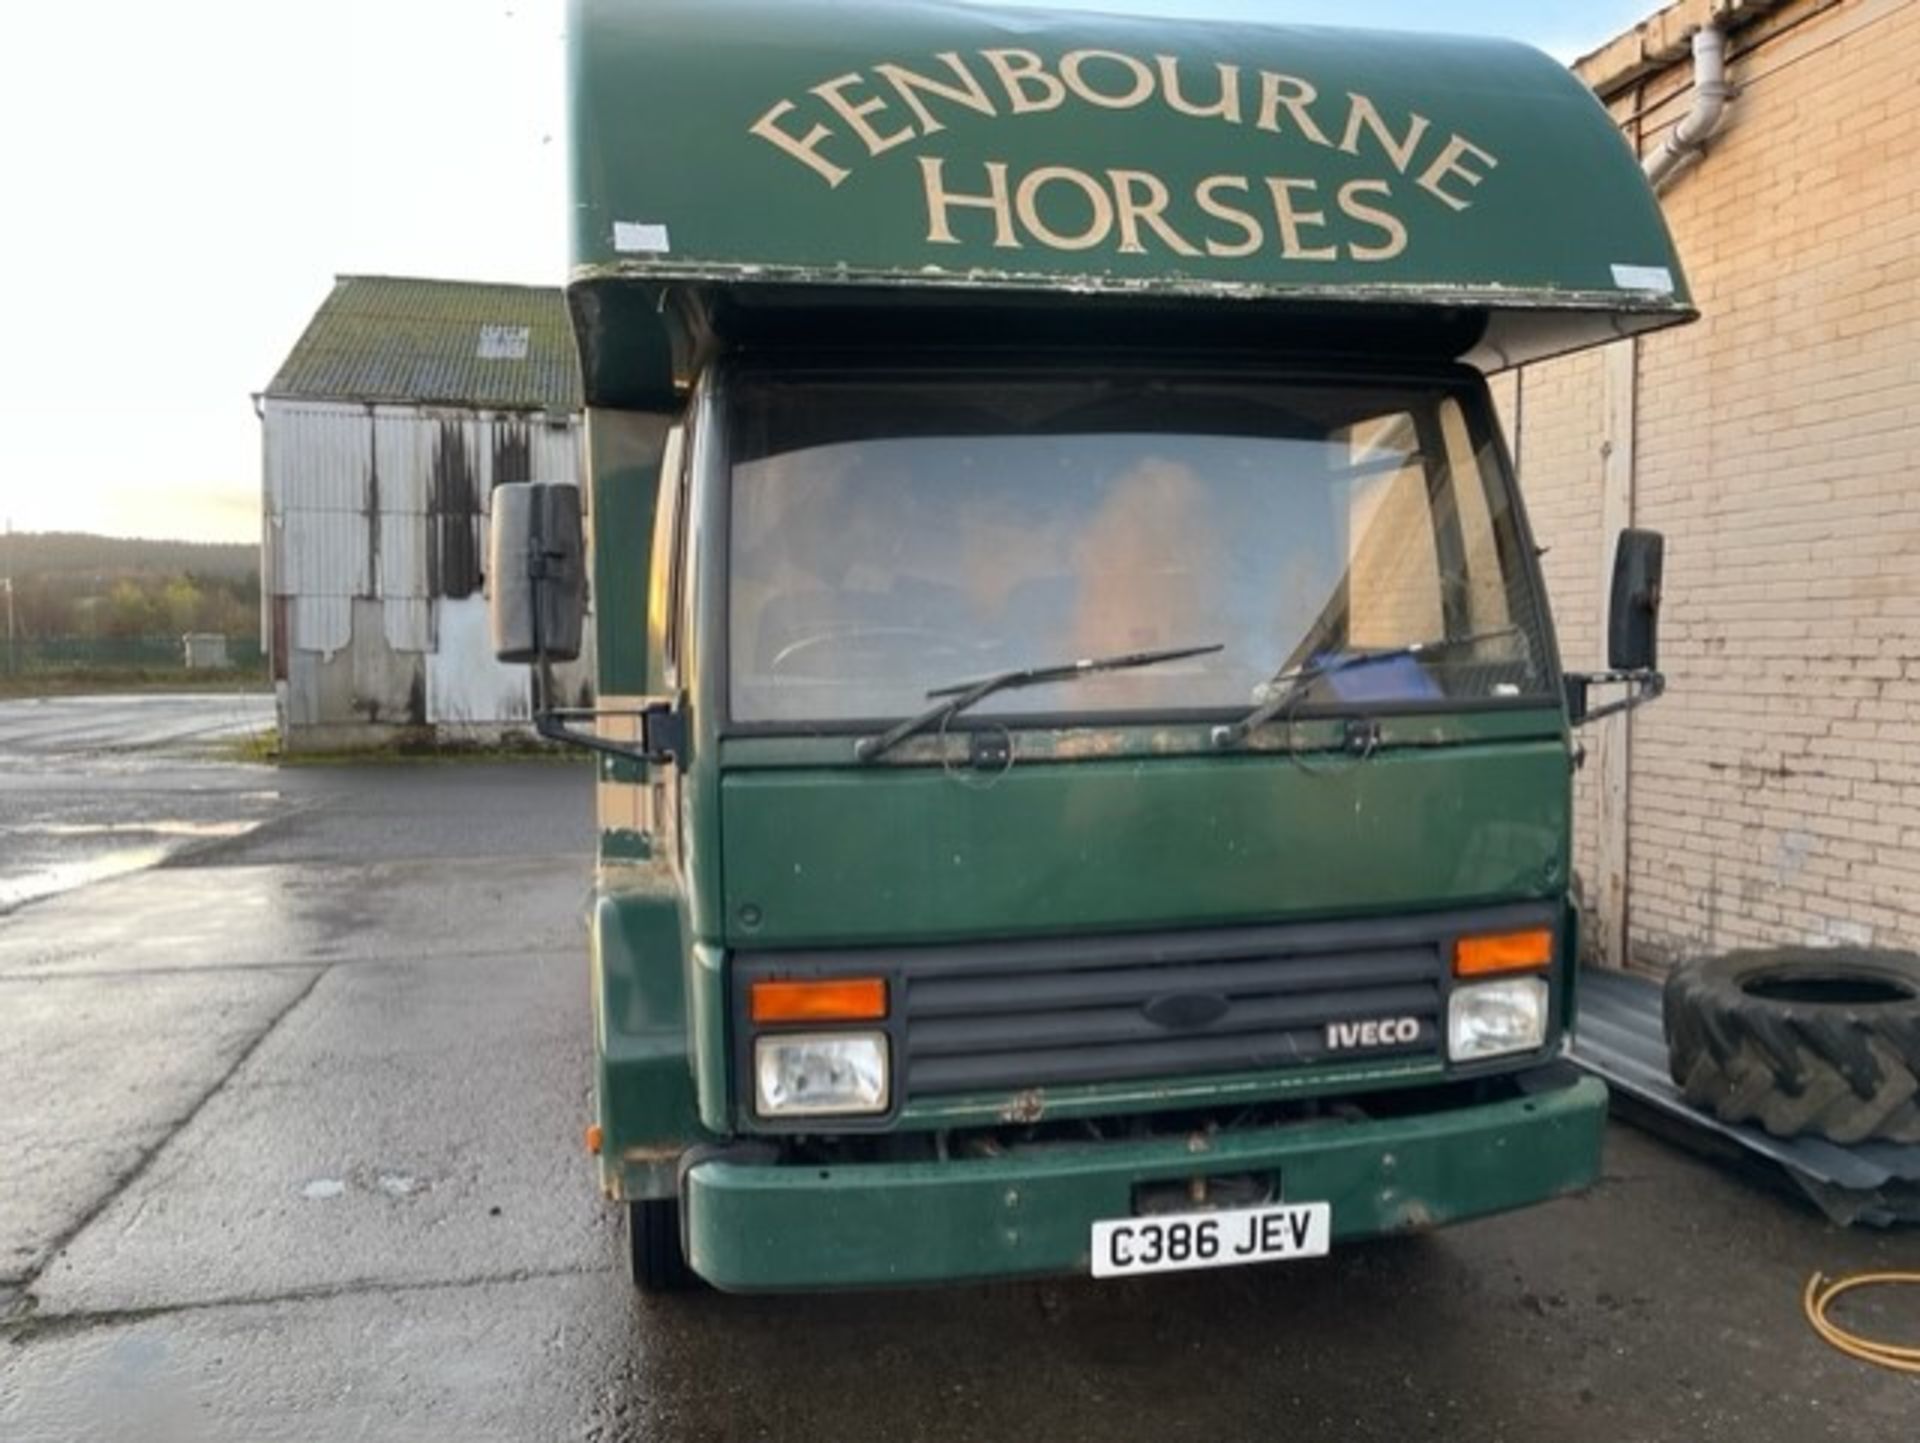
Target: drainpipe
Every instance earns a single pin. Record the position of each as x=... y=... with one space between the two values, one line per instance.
x=1710 y=96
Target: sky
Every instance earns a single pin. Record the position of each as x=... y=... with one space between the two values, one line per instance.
x=184 y=180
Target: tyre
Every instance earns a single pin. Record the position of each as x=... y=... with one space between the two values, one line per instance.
x=654 y=1256
x=1804 y=1041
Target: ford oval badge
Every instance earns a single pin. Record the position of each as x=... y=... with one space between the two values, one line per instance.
x=1185 y=1011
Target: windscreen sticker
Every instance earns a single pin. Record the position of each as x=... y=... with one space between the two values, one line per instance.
x=1644 y=278
x=630 y=236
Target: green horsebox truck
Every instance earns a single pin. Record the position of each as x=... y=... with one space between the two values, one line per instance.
x=1084 y=766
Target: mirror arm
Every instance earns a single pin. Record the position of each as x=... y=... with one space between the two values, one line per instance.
x=663 y=733
x=550 y=726
x=1643 y=687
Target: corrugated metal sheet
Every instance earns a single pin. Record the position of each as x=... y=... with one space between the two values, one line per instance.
x=403 y=555
x=456 y=500
x=1620 y=1038
x=323 y=553
x=465 y=685
x=318 y=463
x=376 y=533
x=402 y=447
x=318 y=457
x=320 y=624
x=556 y=454
x=383 y=338
x=407 y=622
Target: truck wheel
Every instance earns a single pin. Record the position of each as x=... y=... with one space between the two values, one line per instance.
x=654 y=1258
x=1801 y=1040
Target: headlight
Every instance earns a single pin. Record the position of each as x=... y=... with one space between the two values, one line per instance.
x=820 y=1074
x=1492 y=1019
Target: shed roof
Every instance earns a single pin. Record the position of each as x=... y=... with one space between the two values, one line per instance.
x=459 y=343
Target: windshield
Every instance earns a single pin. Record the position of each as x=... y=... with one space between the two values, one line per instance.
x=888 y=537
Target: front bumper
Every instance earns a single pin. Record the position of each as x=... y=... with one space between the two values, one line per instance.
x=754 y=1227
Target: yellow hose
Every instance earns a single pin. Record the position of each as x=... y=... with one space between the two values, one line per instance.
x=1819 y=1297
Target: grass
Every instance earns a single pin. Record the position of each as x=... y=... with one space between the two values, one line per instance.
x=92 y=680
x=260 y=749
x=411 y=747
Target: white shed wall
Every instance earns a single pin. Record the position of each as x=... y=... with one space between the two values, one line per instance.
x=376 y=535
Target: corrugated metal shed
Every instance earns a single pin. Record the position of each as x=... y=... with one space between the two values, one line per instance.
x=400 y=409
x=386 y=338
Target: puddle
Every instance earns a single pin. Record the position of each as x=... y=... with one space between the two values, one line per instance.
x=121 y=829
x=393 y=1184
x=49 y=879
x=57 y=877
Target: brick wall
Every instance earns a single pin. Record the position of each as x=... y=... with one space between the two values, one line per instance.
x=1774 y=793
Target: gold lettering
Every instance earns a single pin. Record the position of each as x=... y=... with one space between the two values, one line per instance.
x=1074 y=62
x=803 y=148
x=1133 y=212
x=1017 y=70
x=1297 y=97
x=940 y=201
x=1447 y=163
x=856 y=115
x=1026 y=199
x=1292 y=220
x=1254 y=236
x=1227 y=107
x=907 y=83
x=1387 y=221
x=1362 y=112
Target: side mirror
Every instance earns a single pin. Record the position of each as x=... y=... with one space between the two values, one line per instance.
x=537 y=569
x=1633 y=610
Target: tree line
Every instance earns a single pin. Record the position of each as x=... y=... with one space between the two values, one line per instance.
x=72 y=585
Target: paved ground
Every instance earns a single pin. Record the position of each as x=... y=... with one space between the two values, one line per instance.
x=98 y=786
x=288 y=1150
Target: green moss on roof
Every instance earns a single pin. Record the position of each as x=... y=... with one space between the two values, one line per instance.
x=455 y=343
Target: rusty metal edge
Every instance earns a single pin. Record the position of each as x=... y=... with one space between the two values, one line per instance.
x=1495 y=297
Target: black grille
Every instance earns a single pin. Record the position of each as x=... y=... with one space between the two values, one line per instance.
x=1025 y=1027
x=1012 y=1015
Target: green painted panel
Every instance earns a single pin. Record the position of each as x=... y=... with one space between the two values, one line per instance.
x=766 y=1228
x=706 y=972
x=934 y=143
x=891 y=854
x=623 y=459
x=644 y=1077
x=623 y=466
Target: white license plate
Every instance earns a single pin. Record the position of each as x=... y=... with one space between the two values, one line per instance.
x=1231 y=1238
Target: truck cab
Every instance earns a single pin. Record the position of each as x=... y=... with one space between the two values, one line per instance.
x=1085 y=766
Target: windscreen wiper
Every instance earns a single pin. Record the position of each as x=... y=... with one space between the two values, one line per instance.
x=1286 y=687
x=958 y=696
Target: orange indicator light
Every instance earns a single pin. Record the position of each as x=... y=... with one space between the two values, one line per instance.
x=1523 y=951
x=837 y=999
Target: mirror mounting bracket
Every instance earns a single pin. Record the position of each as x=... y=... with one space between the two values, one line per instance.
x=1642 y=687
x=662 y=725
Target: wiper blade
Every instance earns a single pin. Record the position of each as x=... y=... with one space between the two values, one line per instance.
x=1286 y=687
x=958 y=696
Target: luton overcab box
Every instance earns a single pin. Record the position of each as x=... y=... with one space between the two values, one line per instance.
x=1085 y=766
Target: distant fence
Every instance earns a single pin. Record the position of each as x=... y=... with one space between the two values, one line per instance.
x=44 y=655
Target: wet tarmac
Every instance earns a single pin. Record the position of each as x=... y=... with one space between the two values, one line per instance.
x=289 y=1150
x=95 y=786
